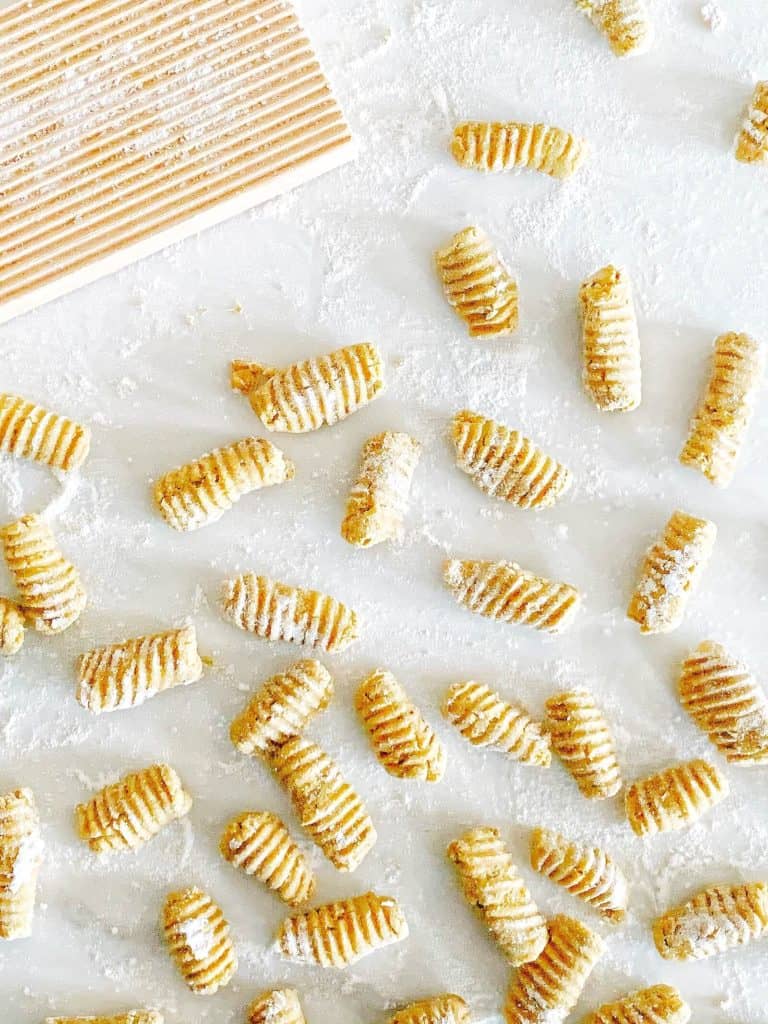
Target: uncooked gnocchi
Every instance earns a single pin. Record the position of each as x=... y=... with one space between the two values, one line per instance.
x=752 y=141
x=127 y=814
x=28 y=431
x=507 y=593
x=341 y=933
x=198 y=940
x=259 y=844
x=671 y=571
x=447 y=1009
x=506 y=145
x=586 y=872
x=611 y=342
x=674 y=798
x=493 y=886
x=725 y=700
x=714 y=920
x=51 y=591
x=278 y=611
x=378 y=500
x=487 y=720
x=719 y=425
x=200 y=492
x=546 y=990
x=505 y=464
x=326 y=804
x=582 y=738
x=313 y=392
x=478 y=284
x=282 y=708
x=21 y=854
x=280 y=1006
x=126 y=674
x=659 y=1004
x=626 y=24
x=404 y=743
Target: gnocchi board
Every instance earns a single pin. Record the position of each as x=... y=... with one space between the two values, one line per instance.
x=126 y=125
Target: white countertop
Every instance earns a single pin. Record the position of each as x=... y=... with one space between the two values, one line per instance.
x=143 y=356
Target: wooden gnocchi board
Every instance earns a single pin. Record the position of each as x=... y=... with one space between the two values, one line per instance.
x=126 y=125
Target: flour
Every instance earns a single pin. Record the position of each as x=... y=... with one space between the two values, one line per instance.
x=279 y=1006
x=58 y=505
x=198 y=936
x=712 y=16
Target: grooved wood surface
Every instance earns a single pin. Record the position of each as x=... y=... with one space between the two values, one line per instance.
x=128 y=124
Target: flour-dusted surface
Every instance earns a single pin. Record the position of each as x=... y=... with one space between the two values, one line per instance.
x=144 y=359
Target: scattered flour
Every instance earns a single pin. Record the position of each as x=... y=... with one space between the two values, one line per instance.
x=712 y=16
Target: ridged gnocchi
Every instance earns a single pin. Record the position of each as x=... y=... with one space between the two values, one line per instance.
x=282 y=708
x=21 y=855
x=546 y=990
x=626 y=24
x=198 y=940
x=674 y=798
x=447 y=1009
x=582 y=738
x=280 y=1006
x=727 y=703
x=28 y=431
x=659 y=1004
x=378 y=500
x=200 y=492
x=259 y=844
x=278 y=611
x=341 y=933
x=670 y=573
x=326 y=804
x=126 y=674
x=587 y=872
x=478 y=284
x=405 y=744
x=505 y=464
x=51 y=591
x=493 y=886
x=487 y=720
x=127 y=814
x=611 y=341
x=314 y=392
x=714 y=920
x=719 y=425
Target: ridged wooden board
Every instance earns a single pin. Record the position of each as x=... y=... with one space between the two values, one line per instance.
x=127 y=125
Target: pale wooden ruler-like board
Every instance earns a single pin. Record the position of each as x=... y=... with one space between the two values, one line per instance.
x=126 y=125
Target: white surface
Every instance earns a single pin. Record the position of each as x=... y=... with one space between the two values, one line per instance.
x=143 y=356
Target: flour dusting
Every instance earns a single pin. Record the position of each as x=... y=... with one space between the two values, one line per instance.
x=198 y=935
x=712 y=16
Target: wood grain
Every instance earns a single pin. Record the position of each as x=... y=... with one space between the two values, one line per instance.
x=126 y=125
